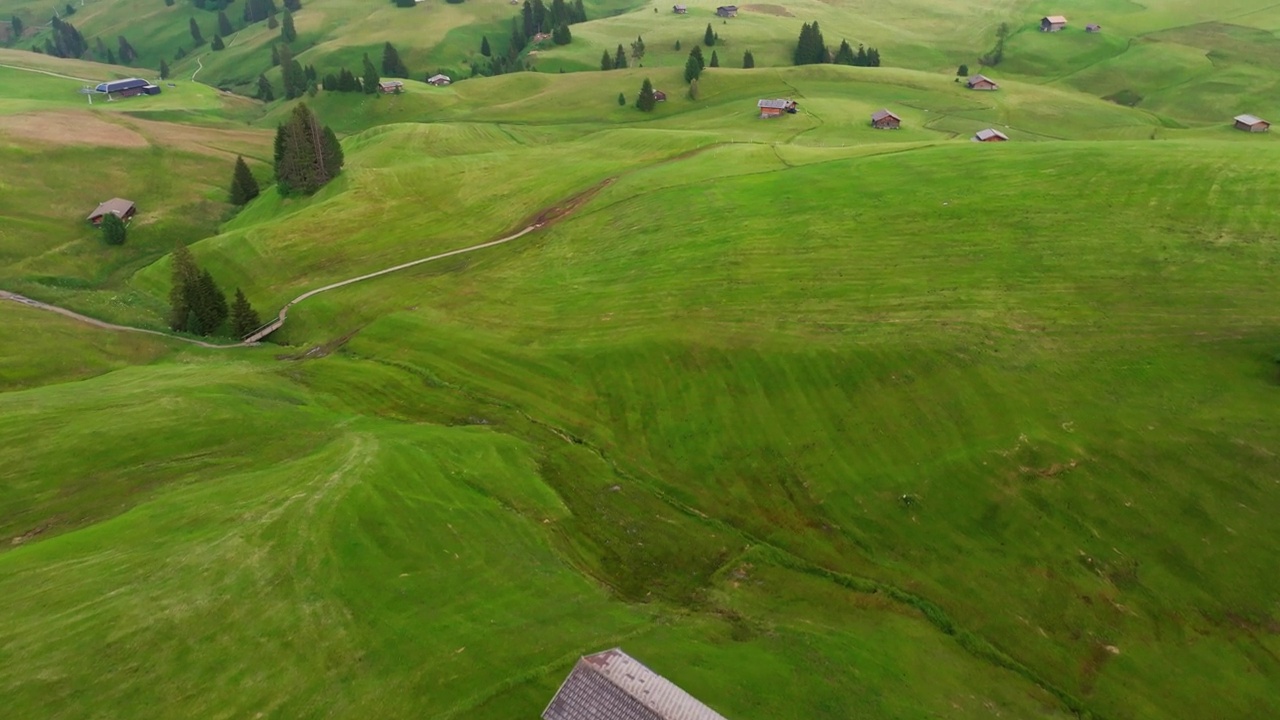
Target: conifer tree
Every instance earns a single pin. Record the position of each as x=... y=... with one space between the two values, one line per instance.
x=164 y=70
x=113 y=230
x=272 y=22
x=15 y=22
x=709 y=37
x=647 y=101
x=696 y=52
x=963 y=70
x=330 y=82
x=293 y=5
x=307 y=155
x=620 y=58
x=715 y=60
x=622 y=100
x=370 y=78
x=185 y=277
x=217 y=42
x=111 y=58
x=275 y=56
x=844 y=56
x=561 y=35
x=287 y=33
x=195 y=33
x=209 y=304
x=637 y=50
x=310 y=72
x=265 y=93
x=392 y=66
x=485 y=50
x=873 y=57
x=861 y=58
x=811 y=48
x=677 y=46
x=224 y=24
x=243 y=185
x=748 y=60
x=244 y=319
x=127 y=53
x=606 y=61
x=577 y=13
x=692 y=68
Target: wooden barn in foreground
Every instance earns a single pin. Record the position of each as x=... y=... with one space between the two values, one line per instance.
x=1053 y=23
x=612 y=685
x=775 y=107
x=1251 y=123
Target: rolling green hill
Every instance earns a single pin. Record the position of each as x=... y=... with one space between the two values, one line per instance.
x=920 y=426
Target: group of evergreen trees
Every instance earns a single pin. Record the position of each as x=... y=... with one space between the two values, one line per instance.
x=66 y=41
x=710 y=37
x=694 y=65
x=294 y=76
x=811 y=49
x=392 y=65
x=616 y=61
x=258 y=10
x=196 y=304
x=538 y=18
x=864 y=57
x=307 y=154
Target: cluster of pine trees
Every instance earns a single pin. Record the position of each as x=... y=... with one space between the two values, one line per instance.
x=243 y=185
x=618 y=61
x=66 y=41
x=196 y=304
x=864 y=57
x=307 y=154
x=346 y=81
x=535 y=18
x=694 y=66
x=811 y=49
x=295 y=78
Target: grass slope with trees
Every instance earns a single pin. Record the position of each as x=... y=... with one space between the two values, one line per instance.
x=929 y=428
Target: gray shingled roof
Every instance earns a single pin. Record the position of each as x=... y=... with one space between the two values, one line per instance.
x=979 y=78
x=1056 y=19
x=115 y=206
x=1249 y=119
x=882 y=114
x=779 y=103
x=612 y=685
x=988 y=134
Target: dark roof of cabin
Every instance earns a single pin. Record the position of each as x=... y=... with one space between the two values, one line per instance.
x=612 y=685
x=882 y=114
x=990 y=133
x=1251 y=120
x=778 y=103
x=116 y=206
x=974 y=80
x=118 y=85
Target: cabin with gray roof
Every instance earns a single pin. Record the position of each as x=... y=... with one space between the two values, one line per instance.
x=981 y=82
x=990 y=135
x=771 y=108
x=612 y=685
x=1052 y=23
x=1251 y=123
x=121 y=208
x=885 y=120
x=127 y=87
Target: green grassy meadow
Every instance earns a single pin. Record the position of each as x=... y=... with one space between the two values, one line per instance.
x=928 y=428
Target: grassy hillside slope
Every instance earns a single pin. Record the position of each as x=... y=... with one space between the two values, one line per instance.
x=928 y=428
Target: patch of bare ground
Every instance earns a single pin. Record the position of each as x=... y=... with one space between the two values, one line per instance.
x=775 y=10
x=218 y=142
x=69 y=128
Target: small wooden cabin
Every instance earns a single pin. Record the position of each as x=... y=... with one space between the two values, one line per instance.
x=727 y=11
x=990 y=135
x=121 y=208
x=439 y=80
x=885 y=120
x=680 y=9
x=1251 y=123
x=774 y=108
x=390 y=87
x=1093 y=28
x=659 y=96
x=1052 y=23
x=612 y=685
x=981 y=82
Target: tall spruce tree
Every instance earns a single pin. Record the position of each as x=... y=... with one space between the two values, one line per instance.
x=696 y=52
x=692 y=68
x=216 y=43
x=265 y=93
x=209 y=304
x=113 y=230
x=748 y=60
x=485 y=50
x=811 y=48
x=709 y=37
x=127 y=53
x=844 y=56
x=164 y=70
x=606 y=61
x=392 y=66
x=370 y=77
x=307 y=155
x=646 y=101
x=244 y=319
x=620 y=58
x=224 y=24
x=15 y=22
x=195 y=33
x=637 y=51
x=622 y=100
x=287 y=32
x=715 y=60
x=185 y=277
x=561 y=35
x=243 y=185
